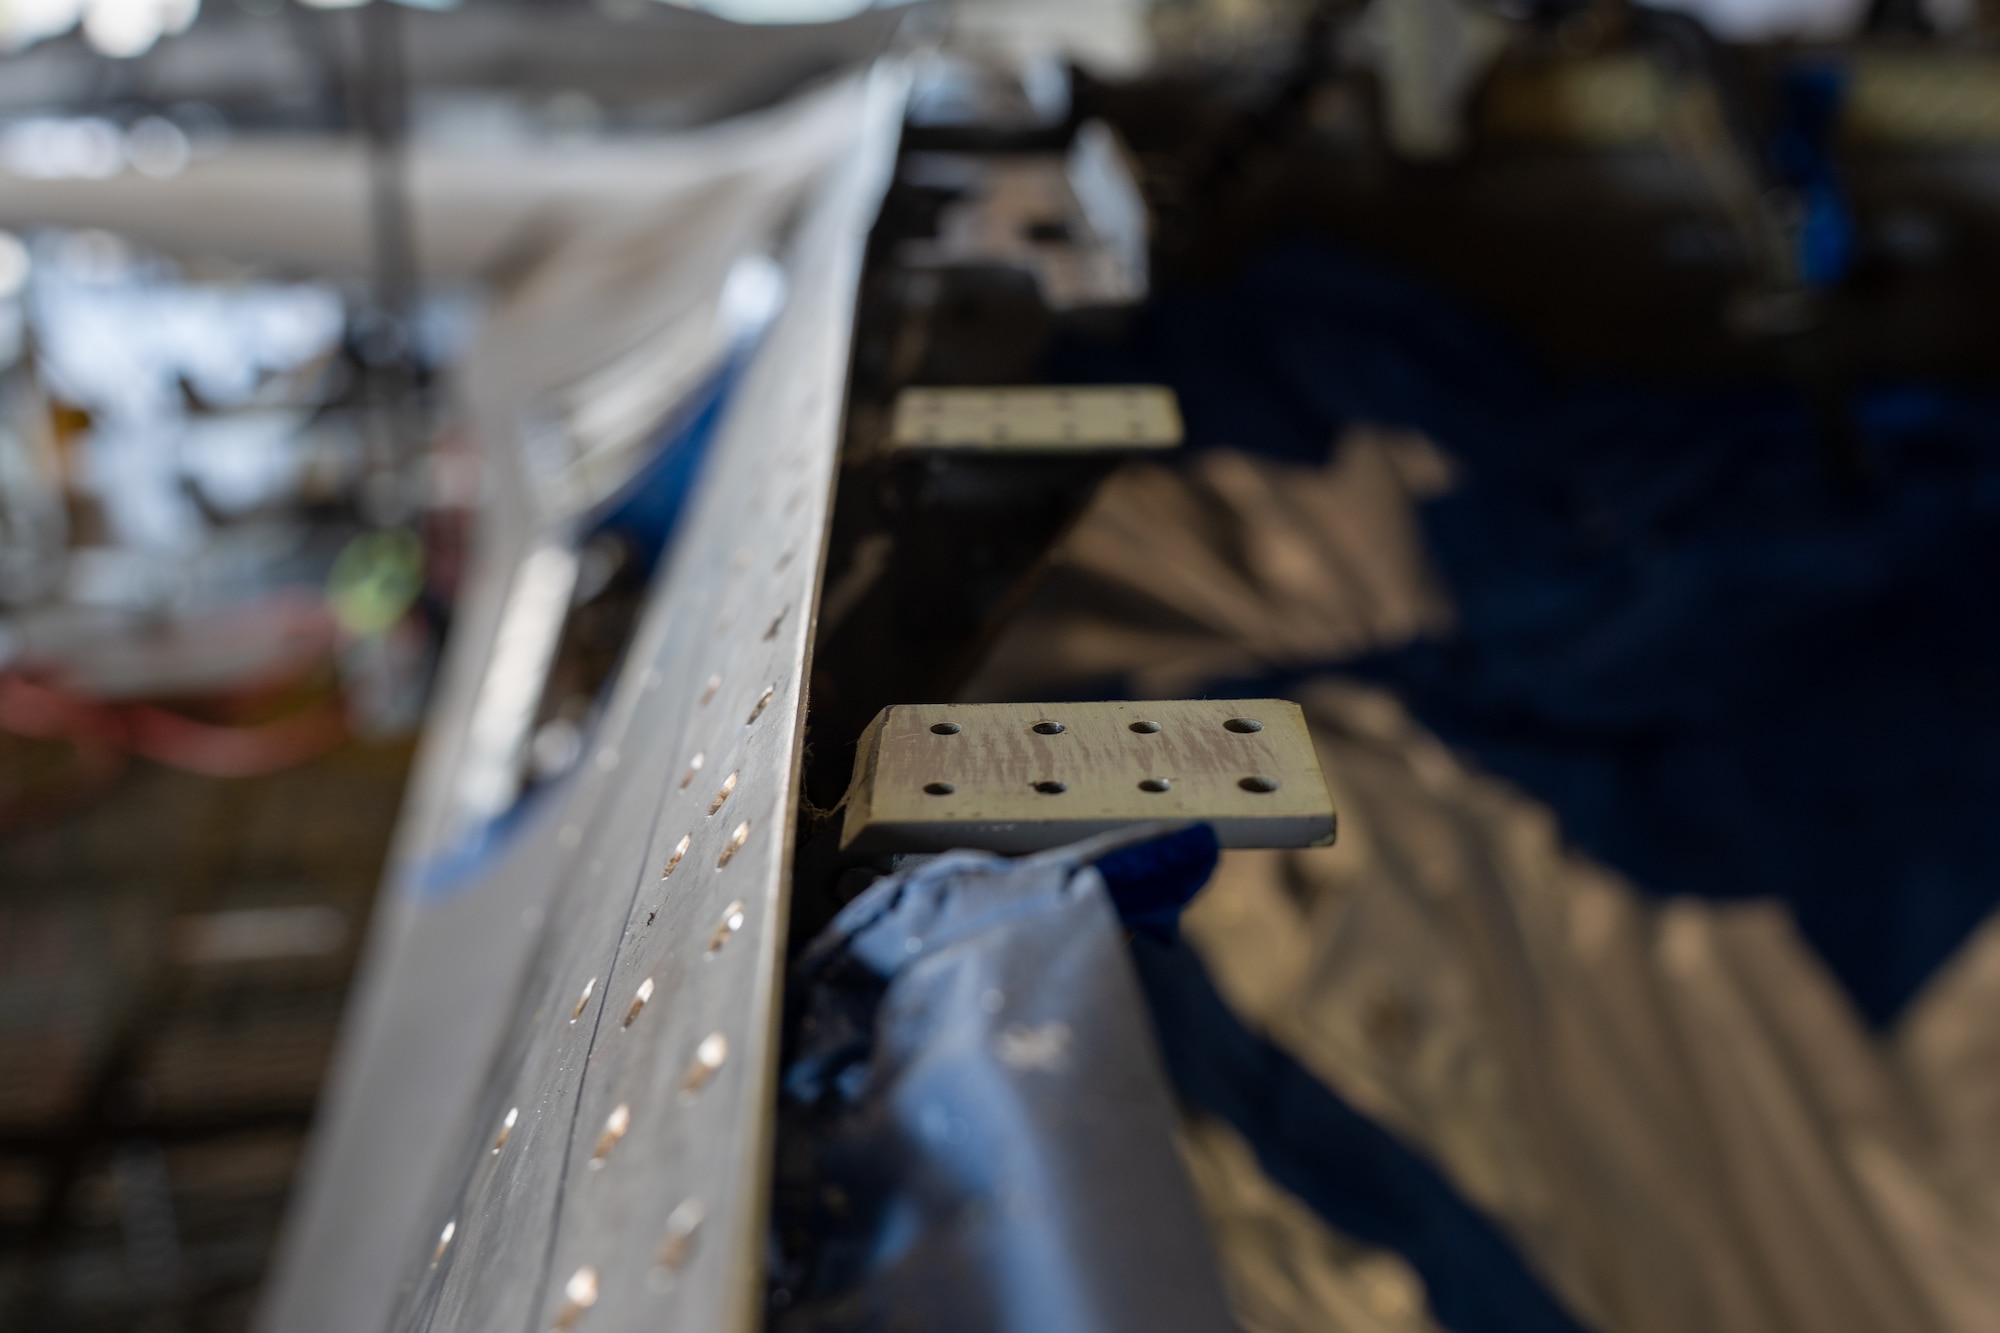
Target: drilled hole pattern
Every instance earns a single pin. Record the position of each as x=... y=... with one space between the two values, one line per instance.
x=1254 y=783
x=640 y=1103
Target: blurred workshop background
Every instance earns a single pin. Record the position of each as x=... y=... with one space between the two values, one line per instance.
x=1659 y=338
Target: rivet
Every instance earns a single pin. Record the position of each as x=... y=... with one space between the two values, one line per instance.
x=615 y=1126
x=736 y=841
x=644 y=993
x=732 y=921
x=582 y=999
x=682 y=1223
x=579 y=1294
x=506 y=1128
x=708 y=1058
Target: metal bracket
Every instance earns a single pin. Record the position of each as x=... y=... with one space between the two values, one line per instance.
x=1015 y=420
x=1022 y=777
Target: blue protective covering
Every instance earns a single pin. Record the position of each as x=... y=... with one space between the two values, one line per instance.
x=1731 y=675
x=975 y=1134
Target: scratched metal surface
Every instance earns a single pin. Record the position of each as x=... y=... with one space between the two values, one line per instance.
x=538 y=1216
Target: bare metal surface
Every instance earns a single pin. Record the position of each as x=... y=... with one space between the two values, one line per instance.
x=1037 y=419
x=552 y=1108
x=1022 y=777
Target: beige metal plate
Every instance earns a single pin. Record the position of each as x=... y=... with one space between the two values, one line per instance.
x=1021 y=777
x=1037 y=420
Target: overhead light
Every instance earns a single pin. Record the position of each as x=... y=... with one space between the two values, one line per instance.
x=127 y=28
x=777 y=11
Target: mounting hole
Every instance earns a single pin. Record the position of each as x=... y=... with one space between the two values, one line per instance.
x=1255 y=783
x=939 y=788
x=1145 y=728
x=1246 y=725
x=1048 y=728
x=945 y=728
x=1051 y=788
x=1156 y=784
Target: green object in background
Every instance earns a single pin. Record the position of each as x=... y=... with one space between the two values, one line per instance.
x=374 y=580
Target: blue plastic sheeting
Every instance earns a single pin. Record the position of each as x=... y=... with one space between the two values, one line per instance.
x=974 y=1133
x=1731 y=676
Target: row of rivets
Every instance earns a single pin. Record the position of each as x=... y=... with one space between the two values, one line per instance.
x=580 y=1292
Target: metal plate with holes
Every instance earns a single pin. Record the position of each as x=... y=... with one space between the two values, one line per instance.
x=1038 y=420
x=1021 y=777
x=611 y=1171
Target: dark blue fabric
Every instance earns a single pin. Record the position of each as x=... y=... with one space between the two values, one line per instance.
x=1731 y=676
x=1811 y=96
x=974 y=1131
x=929 y=1179
x=1151 y=881
x=1357 y=1176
